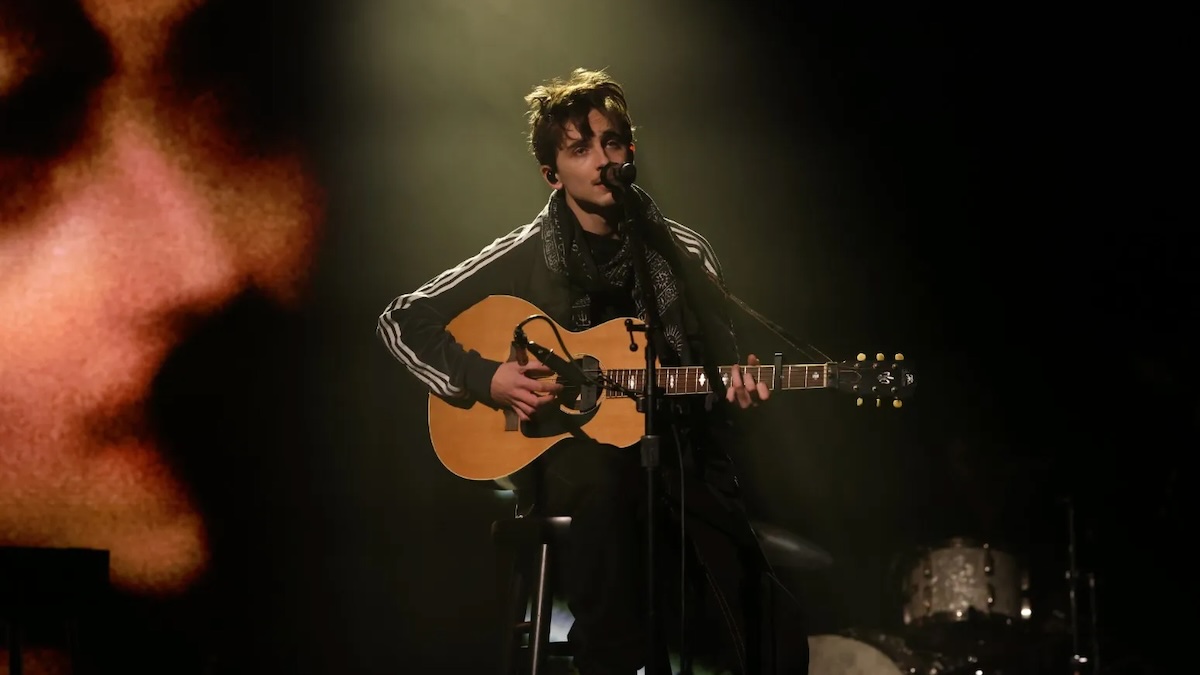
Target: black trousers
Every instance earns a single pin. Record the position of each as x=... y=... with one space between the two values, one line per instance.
x=602 y=570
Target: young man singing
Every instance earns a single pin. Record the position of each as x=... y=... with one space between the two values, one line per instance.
x=577 y=265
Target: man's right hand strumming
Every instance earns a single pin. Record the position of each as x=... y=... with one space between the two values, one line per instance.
x=516 y=386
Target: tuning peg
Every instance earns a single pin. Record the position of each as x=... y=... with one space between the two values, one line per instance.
x=862 y=357
x=859 y=402
x=897 y=403
x=879 y=356
x=878 y=403
x=899 y=357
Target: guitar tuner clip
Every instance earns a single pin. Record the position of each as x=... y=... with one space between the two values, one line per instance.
x=520 y=345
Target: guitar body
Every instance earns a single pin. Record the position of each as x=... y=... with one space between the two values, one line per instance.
x=479 y=443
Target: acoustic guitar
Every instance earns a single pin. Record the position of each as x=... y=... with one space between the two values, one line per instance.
x=603 y=372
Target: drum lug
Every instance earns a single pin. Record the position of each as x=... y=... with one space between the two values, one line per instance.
x=989 y=562
x=991 y=598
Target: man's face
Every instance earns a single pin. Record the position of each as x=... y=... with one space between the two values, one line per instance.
x=581 y=157
x=149 y=211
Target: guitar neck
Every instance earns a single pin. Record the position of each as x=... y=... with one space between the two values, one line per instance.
x=693 y=380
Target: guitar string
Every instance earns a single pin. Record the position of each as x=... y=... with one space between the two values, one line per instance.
x=683 y=385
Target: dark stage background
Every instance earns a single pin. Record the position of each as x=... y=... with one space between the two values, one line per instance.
x=967 y=189
x=989 y=194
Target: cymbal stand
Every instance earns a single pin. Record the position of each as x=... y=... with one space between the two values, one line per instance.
x=1093 y=611
x=1072 y=575
x=1080 y=663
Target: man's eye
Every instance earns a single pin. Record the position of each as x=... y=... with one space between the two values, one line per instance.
x=43 y=116
x=255 y=58
x=56 y=59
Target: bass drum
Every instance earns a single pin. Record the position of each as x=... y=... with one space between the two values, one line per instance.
x=860 y=654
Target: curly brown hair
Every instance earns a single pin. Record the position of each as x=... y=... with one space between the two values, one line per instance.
x=553 y=104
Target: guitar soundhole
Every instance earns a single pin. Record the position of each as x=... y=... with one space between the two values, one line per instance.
x=585 y=399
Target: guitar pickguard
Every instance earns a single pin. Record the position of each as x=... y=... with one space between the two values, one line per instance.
x=577 y=405
x=556 y=422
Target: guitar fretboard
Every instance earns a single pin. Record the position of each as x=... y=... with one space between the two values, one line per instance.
x=693 y=380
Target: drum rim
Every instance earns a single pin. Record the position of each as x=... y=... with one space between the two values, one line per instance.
x=947 y=618
x=968 y=541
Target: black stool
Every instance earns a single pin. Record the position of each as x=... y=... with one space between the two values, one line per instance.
x=525 y=545
x=60 y=585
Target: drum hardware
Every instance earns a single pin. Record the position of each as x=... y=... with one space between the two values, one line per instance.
x=1091 y=579
x=1071 y=573
x=1026 y=606
x=967 y=609
x=961 y=581
x=1079 y=662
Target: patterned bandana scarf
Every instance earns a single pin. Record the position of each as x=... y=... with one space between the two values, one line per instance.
x=566 y=253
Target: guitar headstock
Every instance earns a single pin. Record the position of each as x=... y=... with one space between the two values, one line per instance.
x=879 y=379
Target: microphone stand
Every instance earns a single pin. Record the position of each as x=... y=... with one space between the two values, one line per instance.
x=648 y=405
x=621 y=185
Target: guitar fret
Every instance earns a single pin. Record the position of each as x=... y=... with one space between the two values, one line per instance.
x=693 y=379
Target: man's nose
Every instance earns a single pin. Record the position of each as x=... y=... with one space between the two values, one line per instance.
x=602 y=158
x=149 y=211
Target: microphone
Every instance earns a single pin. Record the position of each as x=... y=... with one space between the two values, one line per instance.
x=616 y=176
x=568 y=371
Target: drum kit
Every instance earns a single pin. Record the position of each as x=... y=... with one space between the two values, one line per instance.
x=963 y=607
